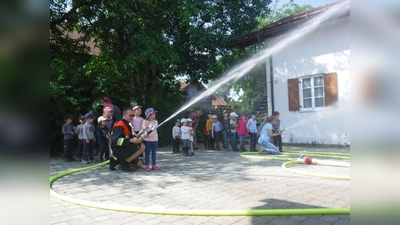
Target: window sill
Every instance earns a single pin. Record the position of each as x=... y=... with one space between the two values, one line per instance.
x=319 y=109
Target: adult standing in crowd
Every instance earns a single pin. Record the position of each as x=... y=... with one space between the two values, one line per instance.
x=195 y=117
x=117 y=114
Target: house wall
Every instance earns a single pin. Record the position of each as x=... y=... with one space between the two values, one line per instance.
x=325 y=50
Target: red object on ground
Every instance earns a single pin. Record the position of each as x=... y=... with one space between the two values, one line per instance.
x=308 y=160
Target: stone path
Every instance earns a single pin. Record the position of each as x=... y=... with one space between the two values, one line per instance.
x=209 y=180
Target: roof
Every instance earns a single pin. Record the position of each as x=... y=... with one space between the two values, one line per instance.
x=185 y=84
x=283 y=25
x=93 y=49
x=218 y=101
x=76 y=36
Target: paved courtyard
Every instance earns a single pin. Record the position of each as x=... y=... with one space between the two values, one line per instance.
x=210 y=180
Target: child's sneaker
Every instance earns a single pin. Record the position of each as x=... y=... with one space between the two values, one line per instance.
x=156 y=168
x=85 y=162
x=148 y=168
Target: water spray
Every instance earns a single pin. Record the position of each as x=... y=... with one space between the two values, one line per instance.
x=240 y=70
x=144 y=132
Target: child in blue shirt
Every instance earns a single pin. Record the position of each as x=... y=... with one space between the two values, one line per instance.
x=266 y=135
x=252 y=128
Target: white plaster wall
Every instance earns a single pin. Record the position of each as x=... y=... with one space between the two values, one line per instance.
x=325 y=50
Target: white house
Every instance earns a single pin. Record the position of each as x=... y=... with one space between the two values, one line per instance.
x=308 y=82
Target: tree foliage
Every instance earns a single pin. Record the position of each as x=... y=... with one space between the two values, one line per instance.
x=253 y=84
x=144 y=45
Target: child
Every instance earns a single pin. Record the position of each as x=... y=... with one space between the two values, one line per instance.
x=151 y=140
x=191 y=134
x=185 y=137
x=88 y=135
x=233 y=133
x=108 y=113
x=68 y=131
x=252 y=127
x=276 y=129
x=176 y=135
x=216 y=131
x=242 y=131
x=137 y=121
x=209 y=122
x=265 y=136
x=205 y=136
x=226 y=129
x=79 y=132
x=103 y=134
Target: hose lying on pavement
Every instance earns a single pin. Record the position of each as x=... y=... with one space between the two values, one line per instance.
x=185 y=212
x=291 y=161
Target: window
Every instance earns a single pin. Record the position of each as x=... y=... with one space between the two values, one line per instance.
x=312 y=92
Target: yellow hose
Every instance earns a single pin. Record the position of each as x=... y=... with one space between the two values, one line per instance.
x=185 y=212
x=284 y=166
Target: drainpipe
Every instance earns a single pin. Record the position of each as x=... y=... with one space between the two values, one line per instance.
x=272 y=84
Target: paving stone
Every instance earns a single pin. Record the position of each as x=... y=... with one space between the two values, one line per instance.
x=209 y=181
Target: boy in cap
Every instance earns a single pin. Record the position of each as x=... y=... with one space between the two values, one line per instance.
x=226 y=129
x=68 y=132
x=79 y=132
x=176 y=135
x=89 y=139
x=277 y=129
x=233 y=133
x=185 y=137
x=216 y=131
x=252 y=128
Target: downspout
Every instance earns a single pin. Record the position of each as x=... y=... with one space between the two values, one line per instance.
x=272 y=85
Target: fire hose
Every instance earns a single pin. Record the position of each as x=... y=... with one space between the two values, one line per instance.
x=185 y=212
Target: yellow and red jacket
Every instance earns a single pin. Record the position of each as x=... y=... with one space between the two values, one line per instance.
x=121 y=133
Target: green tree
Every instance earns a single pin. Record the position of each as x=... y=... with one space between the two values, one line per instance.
x=253 y=84
x=144 y=45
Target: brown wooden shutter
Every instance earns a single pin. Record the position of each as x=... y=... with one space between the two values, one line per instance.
x=293 y=90
x=330 y=88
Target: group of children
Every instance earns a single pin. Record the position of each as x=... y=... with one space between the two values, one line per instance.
x=184 y=134
x=88 y=135
x=226 y=131
x=229 y=130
